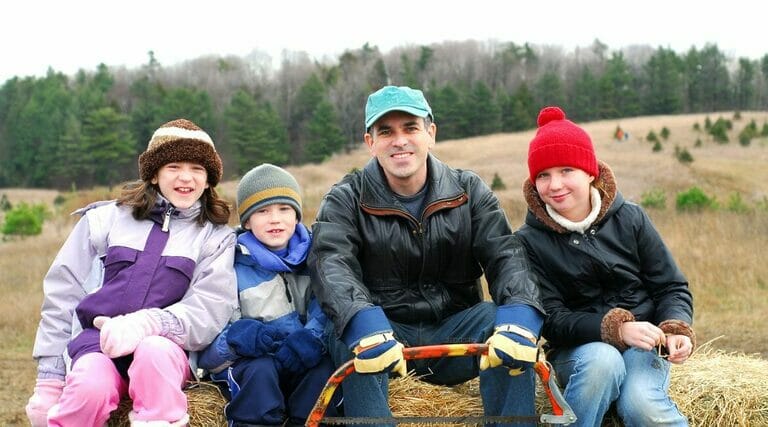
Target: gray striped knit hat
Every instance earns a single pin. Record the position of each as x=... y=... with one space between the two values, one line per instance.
x=264 y=185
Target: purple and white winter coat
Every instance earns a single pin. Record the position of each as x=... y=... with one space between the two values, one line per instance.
x=168 y=261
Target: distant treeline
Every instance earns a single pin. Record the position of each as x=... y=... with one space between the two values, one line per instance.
x=62 y=131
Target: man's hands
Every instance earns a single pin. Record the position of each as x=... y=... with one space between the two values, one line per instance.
x=379 y=353
x=513 y=343
x=46 y=394
x=369 y=335
x=254 y=338
x=511 y=346
x=120 y=335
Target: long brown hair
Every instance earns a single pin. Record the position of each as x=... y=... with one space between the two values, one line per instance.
x=142 y=195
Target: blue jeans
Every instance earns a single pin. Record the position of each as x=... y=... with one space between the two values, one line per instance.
x=597 y=374
x=367 y=395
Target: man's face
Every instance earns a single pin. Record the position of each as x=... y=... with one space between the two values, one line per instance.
x=401 y=142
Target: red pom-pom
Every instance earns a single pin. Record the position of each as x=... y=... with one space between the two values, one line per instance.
x=547 y=114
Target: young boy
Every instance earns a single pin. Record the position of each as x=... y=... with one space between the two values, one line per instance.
x=271 y=355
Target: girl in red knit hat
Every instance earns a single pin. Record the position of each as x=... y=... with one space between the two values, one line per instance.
x=618 y=308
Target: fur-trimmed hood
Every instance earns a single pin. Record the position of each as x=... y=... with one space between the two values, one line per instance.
x=605 y=183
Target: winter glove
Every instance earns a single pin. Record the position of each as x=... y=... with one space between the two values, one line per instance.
x=300 y=351
x=513 y=343
x=369 y=335
x=46 y=394
x=120 y=335
x=254 y=338
x=380 y=353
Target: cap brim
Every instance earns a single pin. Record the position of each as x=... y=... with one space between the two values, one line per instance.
x=418 y=112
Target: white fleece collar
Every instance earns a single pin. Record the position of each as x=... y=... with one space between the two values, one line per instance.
x=581 y=226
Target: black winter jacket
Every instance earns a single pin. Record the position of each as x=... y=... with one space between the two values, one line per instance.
x=368 y=250
x=618 y=270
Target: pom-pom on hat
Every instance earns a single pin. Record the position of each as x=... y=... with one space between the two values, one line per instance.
x=180 y=140
x=560 y=142
x=264 y=185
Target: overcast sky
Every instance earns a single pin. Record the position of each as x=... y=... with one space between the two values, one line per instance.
x=68 y=35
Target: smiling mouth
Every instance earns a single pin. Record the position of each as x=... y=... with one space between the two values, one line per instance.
x=401 y=155
x=185 y=190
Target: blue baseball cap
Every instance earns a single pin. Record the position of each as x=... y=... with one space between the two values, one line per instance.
x=394 y=98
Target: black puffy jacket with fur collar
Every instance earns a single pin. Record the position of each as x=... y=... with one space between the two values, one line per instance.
x=619 y=270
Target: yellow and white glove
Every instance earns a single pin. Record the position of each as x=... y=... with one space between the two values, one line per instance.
x=379 y=353
x=511 y=346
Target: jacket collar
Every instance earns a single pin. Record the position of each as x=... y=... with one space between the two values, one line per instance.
x=375 y=191
x=538 y=217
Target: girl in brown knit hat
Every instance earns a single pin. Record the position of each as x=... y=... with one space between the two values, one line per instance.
x=618 y=308
x=139 y=283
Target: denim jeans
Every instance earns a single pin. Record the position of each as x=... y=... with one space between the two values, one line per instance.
x=367 y=395
x=597 y=374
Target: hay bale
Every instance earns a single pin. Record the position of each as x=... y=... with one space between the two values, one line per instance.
x=206 y=407
x=713 y=388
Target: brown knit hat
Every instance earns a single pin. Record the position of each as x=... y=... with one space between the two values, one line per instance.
x=180 y=140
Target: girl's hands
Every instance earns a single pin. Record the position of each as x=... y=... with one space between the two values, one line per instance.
x=679 y=348
x=643 y=335
x=646 y=336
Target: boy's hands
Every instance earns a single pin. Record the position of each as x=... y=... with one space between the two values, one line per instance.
x=300 y=351
x=254 y=338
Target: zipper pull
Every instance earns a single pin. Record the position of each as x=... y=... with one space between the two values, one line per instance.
x=287 y=291
x=167 y=218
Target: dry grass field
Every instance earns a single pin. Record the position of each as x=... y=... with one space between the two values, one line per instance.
x=721 y=252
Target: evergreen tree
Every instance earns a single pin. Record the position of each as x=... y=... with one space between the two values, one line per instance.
x=707 y=81
x=309 y=97
x=482 y=112
x=549 y=89
x=449 y=117
x=663 y=83
x=618 y=95
x=145 y=110
x=35 y=133
x=255 y=133
x=74 y=166
x=744 y=85
x=584 y=98
x=108 y=141
x=523 y=111
x=325 y=136
x=188 y=103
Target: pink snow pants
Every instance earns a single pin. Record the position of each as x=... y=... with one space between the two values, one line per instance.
x=94 y=386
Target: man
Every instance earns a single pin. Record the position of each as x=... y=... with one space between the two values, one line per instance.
x=399 y=249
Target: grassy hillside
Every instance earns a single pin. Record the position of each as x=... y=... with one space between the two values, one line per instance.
x=720 y=251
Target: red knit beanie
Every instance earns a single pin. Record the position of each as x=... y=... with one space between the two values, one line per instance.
x=559 y=142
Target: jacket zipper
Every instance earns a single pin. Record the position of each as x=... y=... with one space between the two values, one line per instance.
x=429 y=210
x=287 y=291
x=167 y=218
